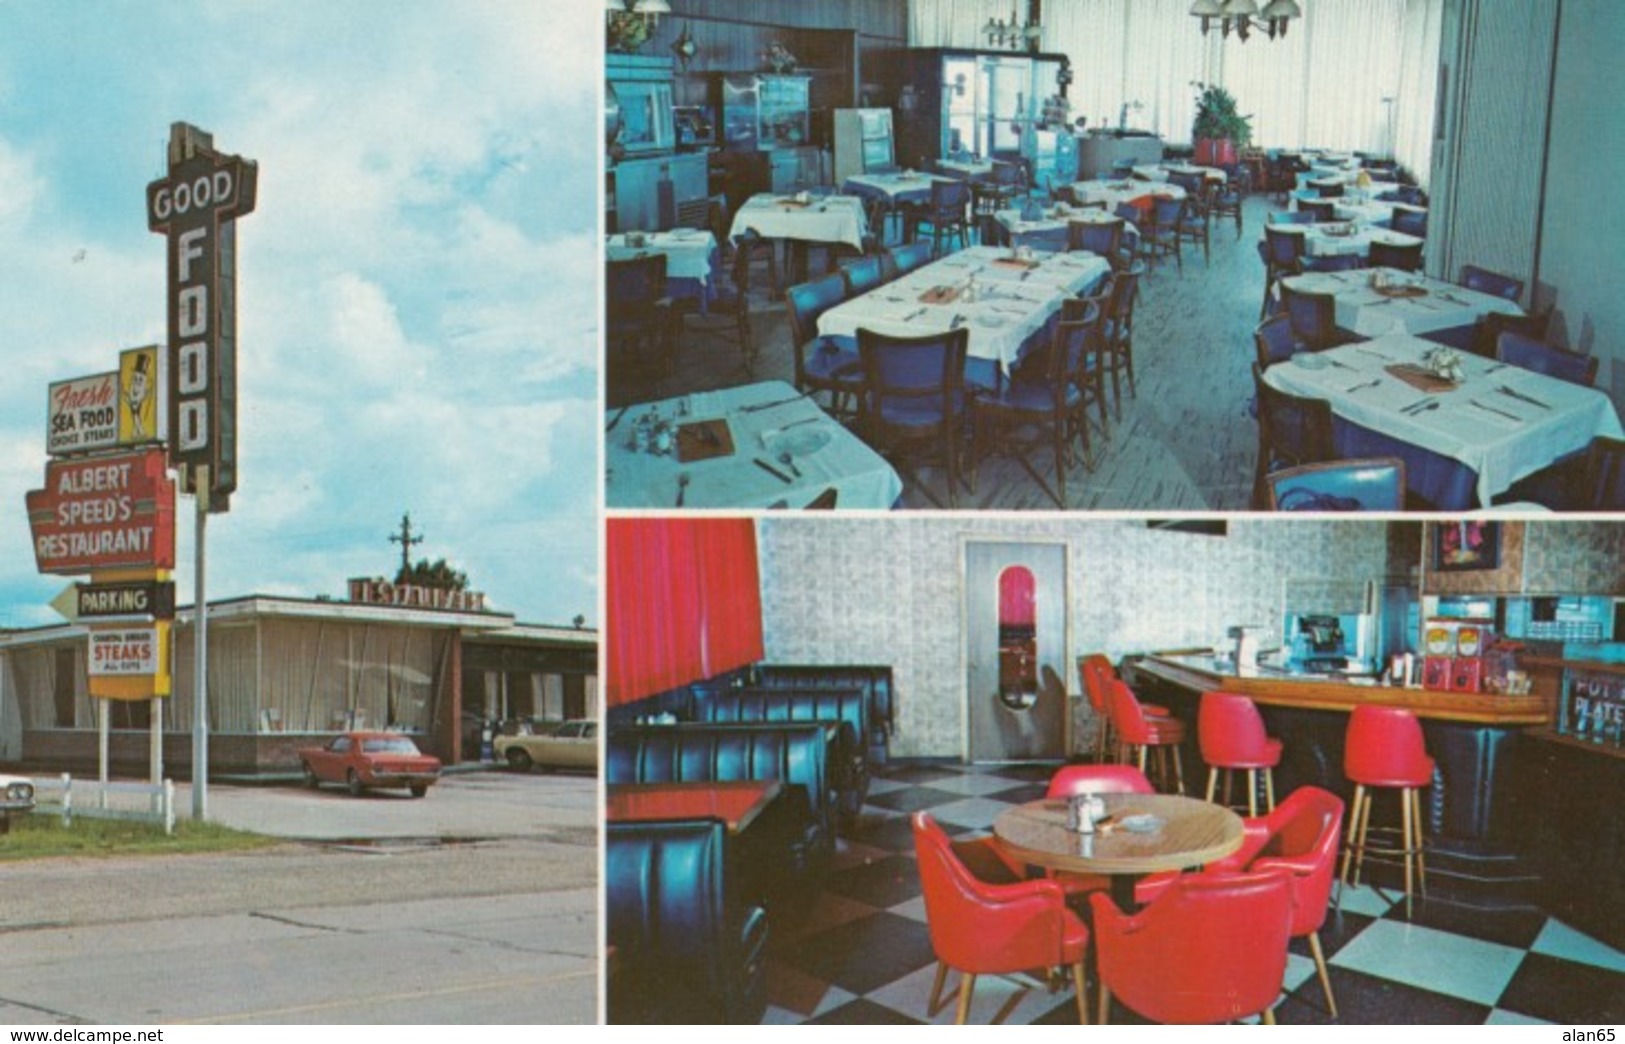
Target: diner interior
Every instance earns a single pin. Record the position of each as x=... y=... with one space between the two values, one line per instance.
x=856 y=770
x=1100 y=254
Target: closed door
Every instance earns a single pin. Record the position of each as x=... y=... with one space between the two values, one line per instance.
x=1015 y=633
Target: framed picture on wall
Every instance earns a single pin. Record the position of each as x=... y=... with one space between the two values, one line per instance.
x=1466 y=545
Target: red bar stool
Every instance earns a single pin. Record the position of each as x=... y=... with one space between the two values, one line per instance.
x=1141 y=733
x=1232 y=737
x=1096 y=674
x=1384 y=748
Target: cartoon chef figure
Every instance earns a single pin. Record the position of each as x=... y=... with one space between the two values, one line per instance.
x=138 y=401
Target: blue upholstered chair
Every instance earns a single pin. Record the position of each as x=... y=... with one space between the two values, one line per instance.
x=1292 y=430
x=1406 y=258
x=1413 y=221
x=1485 y=281
x=906 y=258
x=823 y=363
x=1226 y=202
x=914 y=398
x=1546 y=358
x=1162 y=234
x=1275 y=340
x=1313 y=317
x=1373 y=484
x=1605 y=475
x=1329 y=188
x=1283 y=257
x=1318 y=209
x=862 y=274
x=946 y=216
x=1097 y=237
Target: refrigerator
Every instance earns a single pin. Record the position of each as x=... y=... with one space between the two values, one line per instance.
x=761 y=112
x=863 y=142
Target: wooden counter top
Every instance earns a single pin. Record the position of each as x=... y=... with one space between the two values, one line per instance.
x=1279 y=690
x=1600 y=666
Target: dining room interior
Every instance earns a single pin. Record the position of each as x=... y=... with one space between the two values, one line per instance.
x=930 y=769
x=1159 y=255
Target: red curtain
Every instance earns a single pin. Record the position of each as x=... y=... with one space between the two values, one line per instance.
x=684 y=603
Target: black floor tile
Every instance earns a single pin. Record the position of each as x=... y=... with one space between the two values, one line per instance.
x=914 y=799
x=883 y=830
x=918 y=774
x=1565 y=992
x=884 y=882
x=865 y=955
x=1364 y=1000
x=1516 y=928
x=1019 y=795
x=862 y=1012
x=1337 y=930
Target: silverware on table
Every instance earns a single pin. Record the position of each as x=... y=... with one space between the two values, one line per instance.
x=616 y=419
x=1500 y=413
x=1342 y=365
x=1425 y=408
x=769 y=405
x=682 y=486
x=775 y=472
x=1367 y=384
x=789 y=462
x=1515 y=394
x=1419 y=405
x=1374 y=355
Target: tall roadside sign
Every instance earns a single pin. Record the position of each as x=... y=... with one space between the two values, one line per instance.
x=195 y=208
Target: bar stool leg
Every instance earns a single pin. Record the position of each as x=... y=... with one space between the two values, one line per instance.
x=1252 y=793
x=1365 y=827
x=1105 y=1004
x=1406 y=826
x=1212 y=781
x=1350 y=843
x=1269 y=787
x=1083 y=993
x=1421 y=853
x=1179 y=771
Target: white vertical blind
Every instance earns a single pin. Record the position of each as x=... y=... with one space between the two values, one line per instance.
x=1322 y=85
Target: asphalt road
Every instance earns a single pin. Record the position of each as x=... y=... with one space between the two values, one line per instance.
x=476 y=904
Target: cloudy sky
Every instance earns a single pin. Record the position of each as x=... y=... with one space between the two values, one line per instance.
x=416 y=286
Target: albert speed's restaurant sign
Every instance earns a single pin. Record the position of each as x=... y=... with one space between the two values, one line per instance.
x=104 y=513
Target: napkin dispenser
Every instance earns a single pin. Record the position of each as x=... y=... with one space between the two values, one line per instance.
x=1246 y=639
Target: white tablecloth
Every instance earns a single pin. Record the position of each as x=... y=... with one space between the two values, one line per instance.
x=1054 y=221
x=826 y=454
x=1320 y=241
x=827 y=219
x=893 y=188
x=1499 y=436
x=688 y=251
x=1160 y=172
x=1113 y=193
x=1370 y=212
x=1012 y=303
x=966 y=168
x=1368 y=313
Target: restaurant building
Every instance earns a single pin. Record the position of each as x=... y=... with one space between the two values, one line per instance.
x=1514 y=637
x=290 y=672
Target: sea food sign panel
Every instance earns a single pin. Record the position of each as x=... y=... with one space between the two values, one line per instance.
x=194 y=207
x=108 y=512
x=82 y=414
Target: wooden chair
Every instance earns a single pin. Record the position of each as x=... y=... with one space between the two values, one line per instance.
x=638 y=313
x=1119 y=332
x=914 y=397
x=1546 y=358
x=823 y=364
x=1364 y=484
x=1291 y=430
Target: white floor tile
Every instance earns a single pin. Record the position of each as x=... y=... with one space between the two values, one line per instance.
x=1559 y=940
x=1431 y=960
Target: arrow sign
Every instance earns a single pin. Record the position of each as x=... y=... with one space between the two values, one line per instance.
x=67 y=603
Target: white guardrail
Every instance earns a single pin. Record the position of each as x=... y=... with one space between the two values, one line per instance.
x=93 y=799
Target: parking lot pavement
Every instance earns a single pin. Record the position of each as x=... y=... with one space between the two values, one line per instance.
x=462 y=806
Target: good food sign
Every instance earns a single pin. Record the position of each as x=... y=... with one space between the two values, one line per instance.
x=194 y=207
x=107 y=512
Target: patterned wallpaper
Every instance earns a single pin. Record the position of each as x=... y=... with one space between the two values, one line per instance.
x=887 y=590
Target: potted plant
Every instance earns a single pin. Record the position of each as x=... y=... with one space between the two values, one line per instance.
x=1218 y=132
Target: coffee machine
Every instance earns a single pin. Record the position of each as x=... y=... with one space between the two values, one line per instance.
x=1323 y=642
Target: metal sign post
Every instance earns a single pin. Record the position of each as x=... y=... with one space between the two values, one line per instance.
x=200 y=656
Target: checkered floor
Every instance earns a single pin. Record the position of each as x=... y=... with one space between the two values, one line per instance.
x=862 y=953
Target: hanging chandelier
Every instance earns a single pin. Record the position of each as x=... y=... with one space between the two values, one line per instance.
x=1014 y=34
x=1244 y=16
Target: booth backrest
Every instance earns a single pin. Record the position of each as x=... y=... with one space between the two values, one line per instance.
x=796 y=755
x=850 y=707
x=875 y=680
x=685 y=951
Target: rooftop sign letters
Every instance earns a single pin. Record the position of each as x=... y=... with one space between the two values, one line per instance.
x=369 y=591
x=194 y=207
x=104 y=513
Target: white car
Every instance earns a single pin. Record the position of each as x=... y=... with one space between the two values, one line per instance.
x=16 y=796
x=573 y=744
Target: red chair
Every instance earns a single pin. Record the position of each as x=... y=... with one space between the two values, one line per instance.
x=983 y=928
x=1301 y=837
x=1231 y=734
x=1141 y=732
x=1211 y=949
x=1384 y=748
x=1073 y=780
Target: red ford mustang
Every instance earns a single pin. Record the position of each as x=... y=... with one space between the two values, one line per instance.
x=370 y=759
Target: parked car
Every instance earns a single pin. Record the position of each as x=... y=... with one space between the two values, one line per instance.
x=361 y=760
x=16 y=795
x=571 y=744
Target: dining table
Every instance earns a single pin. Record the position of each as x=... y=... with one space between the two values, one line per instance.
x=1344 y=238
x=964 y=169
x=1161 y=171
x=1462 y=442
x=893 y=187
x=736 y=803
x=761 y=445
x=691 y=259
x=1140 y=834
x=1049 y=231
x=1410 y=301
x=1007 y=302
x=1368 y=210
x=1111 y=193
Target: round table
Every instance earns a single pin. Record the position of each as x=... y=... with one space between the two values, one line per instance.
x=1193 y=832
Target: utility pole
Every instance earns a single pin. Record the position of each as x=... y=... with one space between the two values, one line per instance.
x=406 y=540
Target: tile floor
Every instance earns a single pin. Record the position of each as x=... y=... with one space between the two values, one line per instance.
x=862 y=953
